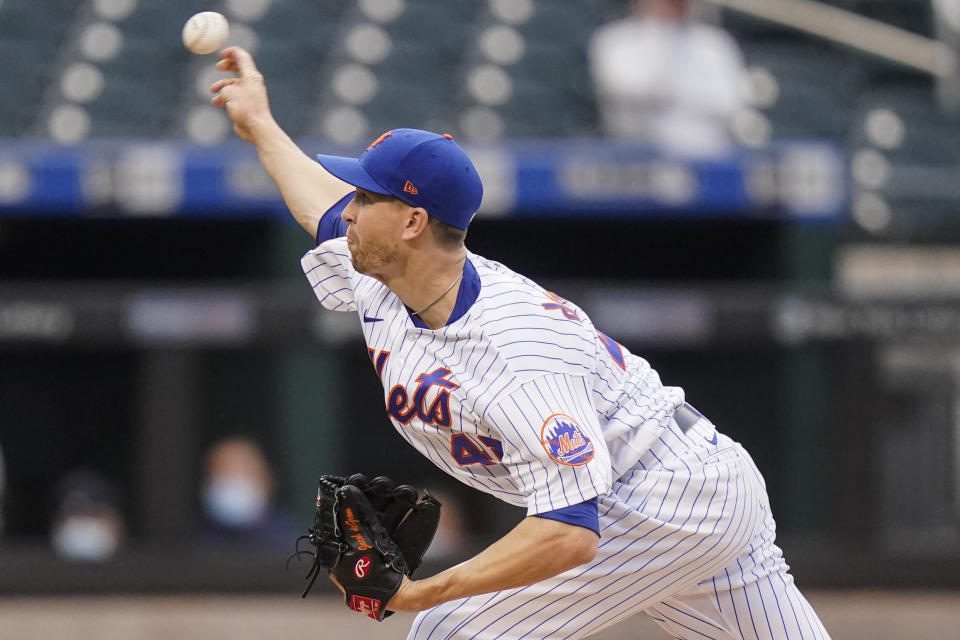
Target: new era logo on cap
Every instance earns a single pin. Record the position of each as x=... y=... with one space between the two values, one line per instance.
x=421 y=168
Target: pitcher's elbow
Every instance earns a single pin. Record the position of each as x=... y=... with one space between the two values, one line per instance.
x=584 y=547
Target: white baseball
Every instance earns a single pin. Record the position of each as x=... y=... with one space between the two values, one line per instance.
x=205 y=32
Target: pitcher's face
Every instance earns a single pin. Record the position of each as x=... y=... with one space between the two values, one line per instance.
x=373 y=235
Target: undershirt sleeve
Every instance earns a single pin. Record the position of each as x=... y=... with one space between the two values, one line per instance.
x=331 y=224
x=586 y=514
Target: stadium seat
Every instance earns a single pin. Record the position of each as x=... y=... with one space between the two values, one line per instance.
x=128 y=107
x=42 y=25
x=434 y=44
x=561 y=22
x=915 y=160
x=309 y=23
x=929 y=136
x=817 y=87
x=24 y=76
x=290 y=93
x=136 y=98
x=543 y=111
x=440 y=25
x=162 y=21
x=30 y=37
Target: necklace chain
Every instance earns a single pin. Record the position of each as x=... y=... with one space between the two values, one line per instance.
x=445 y=291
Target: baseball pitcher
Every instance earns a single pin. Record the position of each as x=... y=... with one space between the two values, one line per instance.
x=634 y=501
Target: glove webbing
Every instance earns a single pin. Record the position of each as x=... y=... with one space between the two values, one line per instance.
x=324 y=535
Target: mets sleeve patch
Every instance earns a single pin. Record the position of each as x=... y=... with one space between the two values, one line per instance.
x=564 y=440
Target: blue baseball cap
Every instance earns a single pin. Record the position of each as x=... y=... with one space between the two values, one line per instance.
x=423 y=169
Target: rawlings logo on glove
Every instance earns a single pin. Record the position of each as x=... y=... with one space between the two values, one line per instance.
x=360 y=569
x=368 y=534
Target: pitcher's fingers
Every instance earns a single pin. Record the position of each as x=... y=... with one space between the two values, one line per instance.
x=228 y=59
x=218 y=86
x=244 y=61
x=221 y=99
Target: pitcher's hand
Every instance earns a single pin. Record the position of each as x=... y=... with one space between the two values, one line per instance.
x=245 y=96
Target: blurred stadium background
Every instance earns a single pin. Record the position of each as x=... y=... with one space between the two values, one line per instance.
x=804 y=290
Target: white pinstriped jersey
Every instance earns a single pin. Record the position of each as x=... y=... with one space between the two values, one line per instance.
x=520 y=397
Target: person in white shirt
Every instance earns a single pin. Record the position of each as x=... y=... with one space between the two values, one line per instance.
x=662 y=77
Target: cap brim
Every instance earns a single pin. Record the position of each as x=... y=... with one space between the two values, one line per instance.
x=352 y=172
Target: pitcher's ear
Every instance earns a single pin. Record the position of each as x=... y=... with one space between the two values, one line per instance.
x=416 y=223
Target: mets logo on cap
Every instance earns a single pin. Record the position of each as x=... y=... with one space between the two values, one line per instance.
x=565 y=441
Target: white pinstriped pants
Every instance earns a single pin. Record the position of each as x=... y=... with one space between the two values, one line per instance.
x=687 y=536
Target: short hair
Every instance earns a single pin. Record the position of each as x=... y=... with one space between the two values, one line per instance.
x=446 y=235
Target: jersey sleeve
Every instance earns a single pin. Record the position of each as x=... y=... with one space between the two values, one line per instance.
x=331 y=274
x=328 y=267
x=552 y=442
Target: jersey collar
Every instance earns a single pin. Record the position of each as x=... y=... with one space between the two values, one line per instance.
x=467 y=294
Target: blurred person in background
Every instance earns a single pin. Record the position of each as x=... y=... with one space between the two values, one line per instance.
x=88 y=524
x=237 y=497
x=664 y=78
